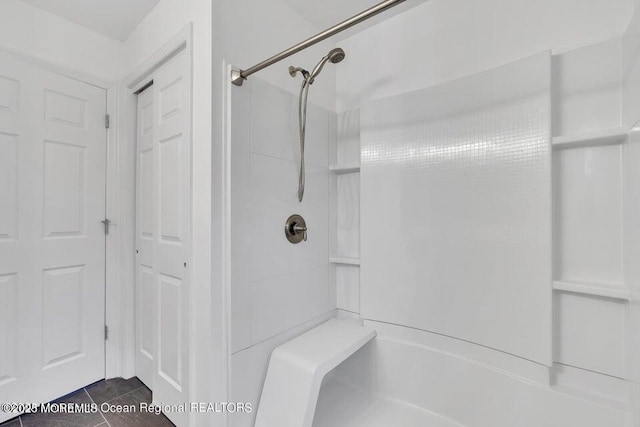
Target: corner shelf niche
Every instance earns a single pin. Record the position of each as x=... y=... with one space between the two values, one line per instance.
x=591 y=139
x=344 y=211
x=340 y=169
x=594 y=289
x=344 y=260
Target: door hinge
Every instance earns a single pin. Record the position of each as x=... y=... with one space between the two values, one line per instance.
x=106 y=222
x=107 y=121
x=106 y=332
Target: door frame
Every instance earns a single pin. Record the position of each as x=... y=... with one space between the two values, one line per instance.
x=121 y=209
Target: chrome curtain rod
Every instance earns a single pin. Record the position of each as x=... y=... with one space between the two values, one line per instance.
x=238 y=76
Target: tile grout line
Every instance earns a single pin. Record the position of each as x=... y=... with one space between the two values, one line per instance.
x=122 y=395
x=105 y=421
x=93 y=401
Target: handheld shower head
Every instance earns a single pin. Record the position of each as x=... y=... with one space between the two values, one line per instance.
x=334 y=56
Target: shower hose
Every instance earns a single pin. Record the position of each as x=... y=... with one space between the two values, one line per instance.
x=302 y=121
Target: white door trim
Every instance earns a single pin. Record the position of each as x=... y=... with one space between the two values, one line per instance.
x=121 y=178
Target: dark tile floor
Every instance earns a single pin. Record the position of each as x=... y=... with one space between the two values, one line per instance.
x=115 y=391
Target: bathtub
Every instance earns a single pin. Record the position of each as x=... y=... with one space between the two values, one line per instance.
x=410 y=378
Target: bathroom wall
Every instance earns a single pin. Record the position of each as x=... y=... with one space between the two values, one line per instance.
x=33 y=32
x=278 y=289
x=631 y=68
x=441 y=40
x=587 y=88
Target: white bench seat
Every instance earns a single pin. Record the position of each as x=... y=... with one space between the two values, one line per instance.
x=296 y=369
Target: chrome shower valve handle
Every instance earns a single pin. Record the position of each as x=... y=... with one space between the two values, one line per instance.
x=300 y=229
x=295 y=229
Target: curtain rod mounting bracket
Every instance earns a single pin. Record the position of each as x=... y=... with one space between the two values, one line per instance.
x=237 y=78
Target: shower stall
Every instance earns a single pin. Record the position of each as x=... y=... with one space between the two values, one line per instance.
x=471 y=250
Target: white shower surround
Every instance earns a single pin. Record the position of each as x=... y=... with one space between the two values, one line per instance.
x=430 y=379
x=456 y=202
x=426 y=378
x=421 y=376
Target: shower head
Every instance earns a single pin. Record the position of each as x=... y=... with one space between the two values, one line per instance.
x=334 y=56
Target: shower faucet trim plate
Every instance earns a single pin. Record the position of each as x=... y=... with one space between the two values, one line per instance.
x=295 y=229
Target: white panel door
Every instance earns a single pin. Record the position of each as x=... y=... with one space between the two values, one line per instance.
x=145 y=225
x=52 y=244
x=172 y=153
x=162 y=236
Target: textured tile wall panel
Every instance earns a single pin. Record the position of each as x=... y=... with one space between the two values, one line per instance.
x=275 y=285
x=456 y=209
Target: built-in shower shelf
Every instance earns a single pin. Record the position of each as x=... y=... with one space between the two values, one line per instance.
x=597 y=289
x=344 y=260
x=344 y=168
x=592 y=139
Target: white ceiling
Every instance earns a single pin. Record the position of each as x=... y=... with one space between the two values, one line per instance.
x=116 y=19
x=326 y=13
x=113 y=18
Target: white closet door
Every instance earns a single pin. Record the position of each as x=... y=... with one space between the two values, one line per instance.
x=172 y=154
x=163 y=200
x=52 y=243
x=145 y=226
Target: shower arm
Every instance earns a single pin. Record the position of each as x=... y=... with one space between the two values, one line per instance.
x=238 y=76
